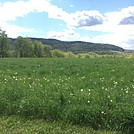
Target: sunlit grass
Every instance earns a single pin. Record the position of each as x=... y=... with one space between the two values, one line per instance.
x=19 y=125
x=89 y=92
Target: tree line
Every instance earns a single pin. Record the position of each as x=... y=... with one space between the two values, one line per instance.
x=25 y=47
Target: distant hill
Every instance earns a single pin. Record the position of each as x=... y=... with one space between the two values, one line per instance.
x=77 y=46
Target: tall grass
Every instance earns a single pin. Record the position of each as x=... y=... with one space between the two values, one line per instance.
x=91 y=92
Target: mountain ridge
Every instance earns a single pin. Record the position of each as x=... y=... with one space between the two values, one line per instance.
x=76 y=46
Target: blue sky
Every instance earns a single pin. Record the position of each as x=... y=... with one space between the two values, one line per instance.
x=85 y=20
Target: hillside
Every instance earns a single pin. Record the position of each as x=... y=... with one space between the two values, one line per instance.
x=77 y=46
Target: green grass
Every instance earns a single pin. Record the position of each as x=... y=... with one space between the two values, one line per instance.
x=19 y=125
x=96 y=93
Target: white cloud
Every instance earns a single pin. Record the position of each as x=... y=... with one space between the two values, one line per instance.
x=84 y=19
x=14 y=30
x=127 y=21
x=11 y=10
x=65 y=35
x=117 y=16
x=108 y=23
x=121 y=39
x=118 y=28
x=118 y=23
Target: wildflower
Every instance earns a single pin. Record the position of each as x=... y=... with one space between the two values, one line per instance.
x=30 y=86
x=71 y=94
x=58 y=84
x=88 y=101
x=102 y=112
x=108 y=96
x=102 y=87
x=126 y=91
x=83 y=77
x=115 y=82
x=111 y=100
x=81 y=90
x=106 y=89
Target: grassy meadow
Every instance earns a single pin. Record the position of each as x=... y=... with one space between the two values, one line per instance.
x=88 y=92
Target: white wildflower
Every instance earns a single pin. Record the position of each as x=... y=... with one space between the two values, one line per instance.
x=88 y=101
x=126 y=91
x=81 y=90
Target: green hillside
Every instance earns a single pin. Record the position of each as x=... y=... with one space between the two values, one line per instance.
x=77 y=46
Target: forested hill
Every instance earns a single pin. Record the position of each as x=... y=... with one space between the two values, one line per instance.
x=77 y=46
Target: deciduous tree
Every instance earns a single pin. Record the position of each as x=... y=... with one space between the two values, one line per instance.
x=4 y=44
x=38 y=49
x=24 y=47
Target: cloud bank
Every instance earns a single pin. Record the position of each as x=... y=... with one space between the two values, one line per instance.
x=83 y=19
x=127 y=21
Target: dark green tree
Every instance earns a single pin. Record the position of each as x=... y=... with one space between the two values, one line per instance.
x=38 y=49
x=4 y=44
x=18 y=46
x=24 y=47
x=47 y=51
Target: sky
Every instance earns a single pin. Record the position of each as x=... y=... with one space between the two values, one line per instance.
x=98 y=21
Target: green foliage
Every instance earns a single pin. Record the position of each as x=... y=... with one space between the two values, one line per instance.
x=57 y=53
x=88 y=55
x=78 y=46
x=23 y=47
x=4 y=44
x=47 y=51
x=88 y=92
x=38 y=49
x=70 y=55
x=75 y=47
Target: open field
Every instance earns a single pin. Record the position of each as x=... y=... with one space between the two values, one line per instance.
x=96 y=93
